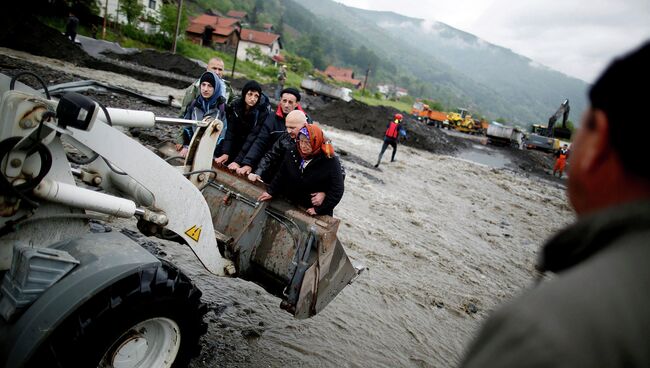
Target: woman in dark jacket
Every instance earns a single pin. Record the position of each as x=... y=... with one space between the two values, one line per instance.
x=246 y=116
x=208 y=103
x=307 y=169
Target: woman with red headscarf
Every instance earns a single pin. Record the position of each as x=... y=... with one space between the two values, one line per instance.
x=309 y=168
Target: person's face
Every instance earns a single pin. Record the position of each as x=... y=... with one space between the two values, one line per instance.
x=303 y=143
x=251 y=98
x=207 y=90
x=288 y=103
x=216 y=66
x=293 y=127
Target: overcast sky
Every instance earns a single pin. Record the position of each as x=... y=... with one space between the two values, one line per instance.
x=576 y=37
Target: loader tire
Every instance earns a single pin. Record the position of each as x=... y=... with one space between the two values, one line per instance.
x=156 y=312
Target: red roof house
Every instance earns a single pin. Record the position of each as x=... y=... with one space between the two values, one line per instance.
x=224 y=31
x=342 y=75
x=268 y=43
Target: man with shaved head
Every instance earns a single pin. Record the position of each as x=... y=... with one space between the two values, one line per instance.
x=272 y=131
x=271 y=161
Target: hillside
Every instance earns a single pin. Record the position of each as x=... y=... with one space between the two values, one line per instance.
x=458 y=67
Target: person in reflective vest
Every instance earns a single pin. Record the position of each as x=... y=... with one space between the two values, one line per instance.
x=560 y=162
x=393 y=131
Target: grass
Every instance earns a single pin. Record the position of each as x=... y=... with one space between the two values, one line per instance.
x=372 y=101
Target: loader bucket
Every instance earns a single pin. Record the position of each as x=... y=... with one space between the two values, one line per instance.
x=291 y=254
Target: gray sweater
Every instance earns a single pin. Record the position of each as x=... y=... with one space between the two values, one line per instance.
x=594 y=313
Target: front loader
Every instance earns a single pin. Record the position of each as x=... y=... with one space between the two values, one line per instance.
x=70 y=297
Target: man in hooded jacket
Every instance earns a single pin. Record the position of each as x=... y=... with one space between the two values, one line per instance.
x=209 y=103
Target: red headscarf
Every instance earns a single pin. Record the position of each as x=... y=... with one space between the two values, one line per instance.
x=317 y=142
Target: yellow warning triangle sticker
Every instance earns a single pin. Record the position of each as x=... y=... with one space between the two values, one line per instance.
x=194 y=232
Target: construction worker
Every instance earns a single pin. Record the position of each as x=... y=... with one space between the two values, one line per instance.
x=393 y=130
x=560 y=162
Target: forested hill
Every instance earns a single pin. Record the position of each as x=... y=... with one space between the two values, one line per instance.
x=455 y=65
x=430 y=59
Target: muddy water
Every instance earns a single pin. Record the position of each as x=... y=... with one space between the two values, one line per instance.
x=445 y=240
x=486 y=156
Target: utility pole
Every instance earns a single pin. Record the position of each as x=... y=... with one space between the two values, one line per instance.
x=178 y=25
x=105 y=17
x=365 y=82
x=234 y=61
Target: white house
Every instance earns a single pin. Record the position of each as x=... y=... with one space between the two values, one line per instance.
x=151 y=8
x=268 y=43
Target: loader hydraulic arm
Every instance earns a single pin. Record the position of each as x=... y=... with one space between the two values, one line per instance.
x=173 y=202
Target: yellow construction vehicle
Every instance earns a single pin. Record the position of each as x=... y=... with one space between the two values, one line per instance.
x=461 y=121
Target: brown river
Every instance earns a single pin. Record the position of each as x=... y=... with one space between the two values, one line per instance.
x=445 y=241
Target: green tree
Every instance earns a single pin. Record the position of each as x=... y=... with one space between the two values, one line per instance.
x=280 y=28
x=168 y=14
x=132 y=9
x=297 y=64
x=255 y=54
x=571 y=126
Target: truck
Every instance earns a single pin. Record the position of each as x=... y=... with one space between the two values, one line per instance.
x=503 y=135
x=424 y=113
x=318 y=87
x=70 y=297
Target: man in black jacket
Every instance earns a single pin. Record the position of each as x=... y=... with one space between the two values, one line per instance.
x=271 y=131
x=594 y=312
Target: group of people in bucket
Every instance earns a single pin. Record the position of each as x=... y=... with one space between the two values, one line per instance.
x=283 y=147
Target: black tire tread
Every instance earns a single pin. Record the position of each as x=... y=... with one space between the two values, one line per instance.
x=151 y=292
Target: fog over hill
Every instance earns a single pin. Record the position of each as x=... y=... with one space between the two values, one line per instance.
x=461 y=69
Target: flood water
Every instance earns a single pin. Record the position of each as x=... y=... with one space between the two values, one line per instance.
x=445 y=241
x=486 y=155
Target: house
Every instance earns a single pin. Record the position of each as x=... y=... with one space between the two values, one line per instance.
x=390 y=90
x=268 y=27
x=213 y=30
x=401 y=92
x=151 y=10
x=237 y=14
x=342 y=75
x=384 y=89
x=268 y=43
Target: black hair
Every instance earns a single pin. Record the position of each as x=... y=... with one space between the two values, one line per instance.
x=292 y=91
x=251 y=85
x=210 y=78
x=620 y=92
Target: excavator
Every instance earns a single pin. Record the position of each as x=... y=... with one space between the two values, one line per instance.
x=547 y=138
x=72 y=297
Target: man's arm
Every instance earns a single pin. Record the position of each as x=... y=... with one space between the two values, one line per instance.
x=191 y=93
x=258 y=148
x=273 y=157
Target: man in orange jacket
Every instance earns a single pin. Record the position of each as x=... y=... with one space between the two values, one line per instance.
x=560 y=162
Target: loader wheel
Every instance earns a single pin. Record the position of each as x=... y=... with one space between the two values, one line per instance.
x=150 y=319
